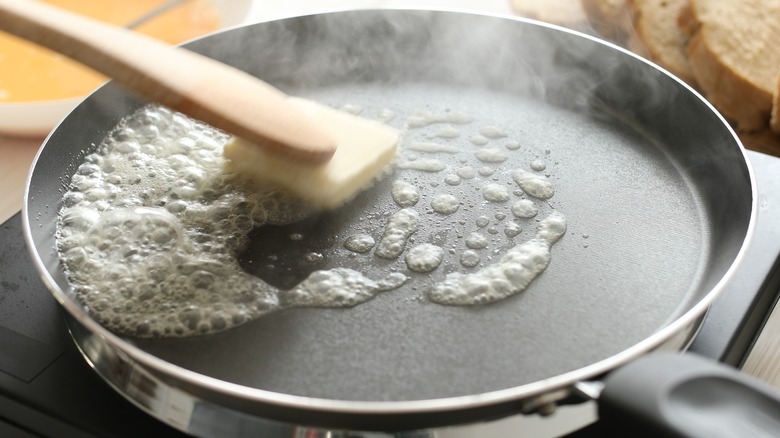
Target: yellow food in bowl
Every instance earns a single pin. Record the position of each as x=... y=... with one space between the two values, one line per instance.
x=30 y=73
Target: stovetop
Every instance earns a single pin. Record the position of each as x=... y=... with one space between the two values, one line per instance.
x=48 y=390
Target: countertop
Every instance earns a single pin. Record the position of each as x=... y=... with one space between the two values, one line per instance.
x=17 y=155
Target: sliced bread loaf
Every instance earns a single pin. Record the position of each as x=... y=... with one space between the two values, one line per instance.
x=774 y=121
x=659 y=37
x=611 y=19
x=735 y=57
x=567 y=13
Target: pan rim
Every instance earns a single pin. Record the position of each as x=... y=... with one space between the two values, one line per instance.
x=397 y=408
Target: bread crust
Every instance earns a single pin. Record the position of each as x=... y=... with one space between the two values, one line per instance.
x=566 y=13
x=735 y=58
x=611 y=19
x=660 y=37
x=774 y=121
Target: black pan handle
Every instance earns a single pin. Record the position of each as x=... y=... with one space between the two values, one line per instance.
x=684 y=395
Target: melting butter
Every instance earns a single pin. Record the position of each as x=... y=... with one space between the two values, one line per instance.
x=511 y=275
x=445 y=204
x=422 y=118
x=424 y=258
x=534 y=184
x=400 y=226
x=404 y=194
x=150 y=230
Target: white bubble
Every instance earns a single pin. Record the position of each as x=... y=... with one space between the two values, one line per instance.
x=512 y=145
x=424 y=258
x=359 y=243
x=452 y=180
x=495 y=193
x=447 y=132
x=404 y=194
x=429 y=147
x=512 y=229
x=486 y=171
x=491 y=155
x=445 y=204
x=424 y=165
x=524 y=209
x=469 y=258
x=466 y=172
x=422 y=118
x=492 y=132
x=476 y=241
x=479 y=140
x=534 y=184
x=538 y=165
x=400 y=226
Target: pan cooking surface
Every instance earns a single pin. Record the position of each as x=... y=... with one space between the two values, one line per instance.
x=654 y=189
x=633 y=251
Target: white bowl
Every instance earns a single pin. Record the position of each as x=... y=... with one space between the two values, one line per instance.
x=36 y=119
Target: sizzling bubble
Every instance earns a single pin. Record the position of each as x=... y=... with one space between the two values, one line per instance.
x=445 y=204
x=452 y=180
x=538 y=165
x=424 y=165
x=512 y=229
x=422 y=118
x=491 y=155
x=469 y=258
x=479 y=140
x=524 y=209
x=359 y=243
x=448 y=132
x=404 y=194
x=424 y=258
x=492 y=132
x=400 y=226
x=486 y=171
x=510 y=276
x=430 y=147
x=476 y=241
x=534 y=184
x=466 y=172
x=495 y=193
x=337 y=287
x=512 y=145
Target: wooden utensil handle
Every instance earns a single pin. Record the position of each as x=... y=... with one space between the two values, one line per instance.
x=182 y=80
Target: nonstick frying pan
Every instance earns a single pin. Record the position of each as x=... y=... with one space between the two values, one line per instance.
x=659 y=198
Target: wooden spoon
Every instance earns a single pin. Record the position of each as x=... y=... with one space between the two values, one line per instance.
x=200 y=87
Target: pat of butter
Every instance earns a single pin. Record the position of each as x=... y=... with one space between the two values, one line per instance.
x=365 y=148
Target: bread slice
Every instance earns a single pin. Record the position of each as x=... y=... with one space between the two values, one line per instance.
x=764 y=141
x=659 y=37
x=611 y=19
x=774 y=121
x=735 y=57
x=686 y=21
x=566 y=13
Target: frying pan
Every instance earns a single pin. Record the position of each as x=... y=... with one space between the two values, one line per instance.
x=659 y=198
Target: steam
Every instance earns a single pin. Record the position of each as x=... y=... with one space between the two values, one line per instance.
x=459 y=49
